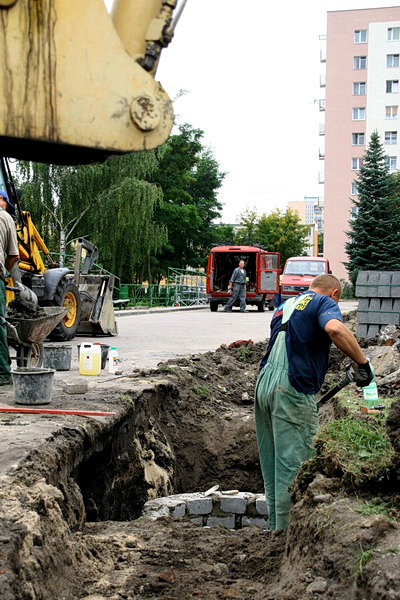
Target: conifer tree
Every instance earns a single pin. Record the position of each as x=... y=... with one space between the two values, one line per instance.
x=375 y=231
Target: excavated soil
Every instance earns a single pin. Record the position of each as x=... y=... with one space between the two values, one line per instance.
x=70 y=523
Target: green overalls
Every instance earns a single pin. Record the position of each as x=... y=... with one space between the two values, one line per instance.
x=286 y=422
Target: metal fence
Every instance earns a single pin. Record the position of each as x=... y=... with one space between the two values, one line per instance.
x=183 y=288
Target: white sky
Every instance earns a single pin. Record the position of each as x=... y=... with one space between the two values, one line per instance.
x=251 y=73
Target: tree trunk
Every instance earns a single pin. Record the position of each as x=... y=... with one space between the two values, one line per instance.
x=63 y=247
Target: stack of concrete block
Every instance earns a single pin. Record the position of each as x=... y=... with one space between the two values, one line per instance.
x=234 y=511
x=379 y=301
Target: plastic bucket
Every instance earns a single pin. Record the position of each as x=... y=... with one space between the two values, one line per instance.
x=104 y=354
x=32 y=385
x=57 y=356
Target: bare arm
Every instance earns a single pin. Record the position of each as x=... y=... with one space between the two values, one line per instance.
x=345 y=341
x=10 y=262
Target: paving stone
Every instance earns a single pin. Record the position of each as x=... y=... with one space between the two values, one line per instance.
x=384 y=285
x=228 y=522
x=395 y=288
x=249 y=522
x=200 y=506
x=262 y=506
x=233 y=504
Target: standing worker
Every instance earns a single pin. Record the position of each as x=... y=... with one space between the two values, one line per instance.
x=237 y=284
x=9 y=255
x=292 y=372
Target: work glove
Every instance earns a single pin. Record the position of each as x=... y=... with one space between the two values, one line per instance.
x=363 y=374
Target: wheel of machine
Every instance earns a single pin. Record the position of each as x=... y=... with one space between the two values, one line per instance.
x=213 y=306
x=30 y=356
x=67 y=294
x=261 y=306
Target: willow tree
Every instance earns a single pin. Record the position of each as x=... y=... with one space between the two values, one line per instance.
x=111 y=204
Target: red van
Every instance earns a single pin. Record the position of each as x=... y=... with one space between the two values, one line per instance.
x=298 y=273
x=262 y=270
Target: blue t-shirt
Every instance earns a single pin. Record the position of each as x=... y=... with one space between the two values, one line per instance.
x=307 y=343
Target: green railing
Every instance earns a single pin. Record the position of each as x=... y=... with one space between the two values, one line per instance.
x=171 y=294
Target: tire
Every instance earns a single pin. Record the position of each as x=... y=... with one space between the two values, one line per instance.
x=213 y=306
x=261 y=306
x=66 y=294
x=30 y=356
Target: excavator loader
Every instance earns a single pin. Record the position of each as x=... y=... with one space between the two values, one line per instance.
x=85 y=292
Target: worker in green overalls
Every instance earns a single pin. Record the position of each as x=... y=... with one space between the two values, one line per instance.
x=292 y=372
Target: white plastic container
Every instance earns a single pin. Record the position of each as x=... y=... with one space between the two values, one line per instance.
x=90 y=359
x=113 y=360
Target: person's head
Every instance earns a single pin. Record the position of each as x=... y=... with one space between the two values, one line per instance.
x=241 y=264
x=327 y=285
x=5 y=203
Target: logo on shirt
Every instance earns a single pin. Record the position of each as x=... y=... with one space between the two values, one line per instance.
x=304 y=302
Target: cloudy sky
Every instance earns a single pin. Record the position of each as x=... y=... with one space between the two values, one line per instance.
x=250 y=71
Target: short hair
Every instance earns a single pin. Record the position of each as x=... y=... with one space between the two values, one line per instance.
x=326 y=283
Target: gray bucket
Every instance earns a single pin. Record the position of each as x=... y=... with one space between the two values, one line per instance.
x=32 y=385
x=57 y=356
x=104 y=354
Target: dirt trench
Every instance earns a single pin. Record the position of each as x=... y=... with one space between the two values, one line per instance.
x=70 y=524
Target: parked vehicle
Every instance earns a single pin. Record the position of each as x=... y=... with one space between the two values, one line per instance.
x=262 y=270
x=298 y=273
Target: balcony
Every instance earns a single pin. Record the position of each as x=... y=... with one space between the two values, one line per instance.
x=321 y=177
x=321 y=154
x=322 y=55
x=321 y=103
x=322 y=80
x=322 y=129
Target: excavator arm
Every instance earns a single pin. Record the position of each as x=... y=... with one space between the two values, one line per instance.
x=77 y=84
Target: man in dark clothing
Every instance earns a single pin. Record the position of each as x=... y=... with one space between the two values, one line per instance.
x=292 y=372
x=237 y=284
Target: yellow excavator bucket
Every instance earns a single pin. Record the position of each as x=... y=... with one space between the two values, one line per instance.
x=77 y=84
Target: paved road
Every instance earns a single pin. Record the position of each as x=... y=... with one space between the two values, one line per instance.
x=148 y=337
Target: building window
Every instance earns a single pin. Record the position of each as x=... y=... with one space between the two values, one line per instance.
x=391 y=162
x=392 y=60
x=360 y=62
x=359 y=113
x=354 y=190
x=360 y=36
x=356 y=164
x=390 y=137
x=357 y=139
x=391 y=112
x=359 y=88
x=393 y=34
x=392 y=86
x=354 y=212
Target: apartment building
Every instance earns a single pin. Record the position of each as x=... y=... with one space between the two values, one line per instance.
x=311 y=212
x=362 y=94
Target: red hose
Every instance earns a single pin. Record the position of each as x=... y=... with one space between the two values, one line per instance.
x=52 y=411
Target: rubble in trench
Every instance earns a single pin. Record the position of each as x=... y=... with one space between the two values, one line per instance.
x=72 y=524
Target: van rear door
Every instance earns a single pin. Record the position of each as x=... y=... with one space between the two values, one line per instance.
x=268 y=272
x=210 y=273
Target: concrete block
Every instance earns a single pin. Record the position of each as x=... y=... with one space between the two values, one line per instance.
x=367 y=284
x=199 y=506
x=228 y=522
x=384 y=284
x=260 y=523
x=262 y=506
x=389 y=318
x=179 y=510
x=373 y=330
x=233 y=504
x=387 y=305
x=362 y=280
x=396 y=305
x=362 y=330
x=197 y=521
x=395 y=287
